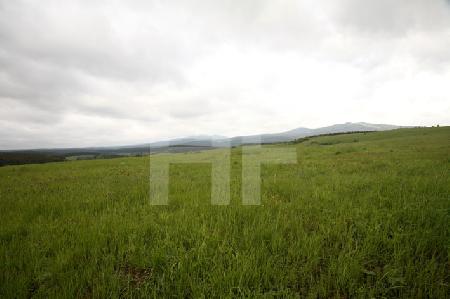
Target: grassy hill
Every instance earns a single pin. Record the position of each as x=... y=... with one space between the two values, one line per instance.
x=360 y=215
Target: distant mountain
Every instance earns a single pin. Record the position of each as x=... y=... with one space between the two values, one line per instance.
x=276 y=137
x=199 y=140
x=192 y=143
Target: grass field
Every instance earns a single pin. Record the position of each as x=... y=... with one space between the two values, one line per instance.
x=359 y=215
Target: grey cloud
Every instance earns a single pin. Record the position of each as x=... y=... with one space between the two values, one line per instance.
x=394 y=18
x=81 y=38
x=190 y=108
x=13 y=111
x=123 y=65
x=37 y=83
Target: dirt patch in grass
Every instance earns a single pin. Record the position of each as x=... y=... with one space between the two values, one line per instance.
x=135 y=275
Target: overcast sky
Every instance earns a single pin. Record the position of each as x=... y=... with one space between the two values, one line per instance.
x=85 y=73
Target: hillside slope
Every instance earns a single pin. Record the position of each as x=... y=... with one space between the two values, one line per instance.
x=359 y=215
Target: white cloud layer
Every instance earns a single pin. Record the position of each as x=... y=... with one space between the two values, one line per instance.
x=84 y=73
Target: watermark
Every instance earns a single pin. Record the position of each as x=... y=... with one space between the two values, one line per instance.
x=253 y=156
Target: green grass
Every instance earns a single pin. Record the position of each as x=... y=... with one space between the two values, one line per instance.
x=360 y=215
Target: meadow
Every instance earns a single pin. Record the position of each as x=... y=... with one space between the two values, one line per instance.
x=363 y=215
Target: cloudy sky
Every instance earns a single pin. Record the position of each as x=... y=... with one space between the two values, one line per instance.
x=85 y=73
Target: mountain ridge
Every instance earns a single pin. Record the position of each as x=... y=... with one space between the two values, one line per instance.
x=286 y=136
x=208 y=141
